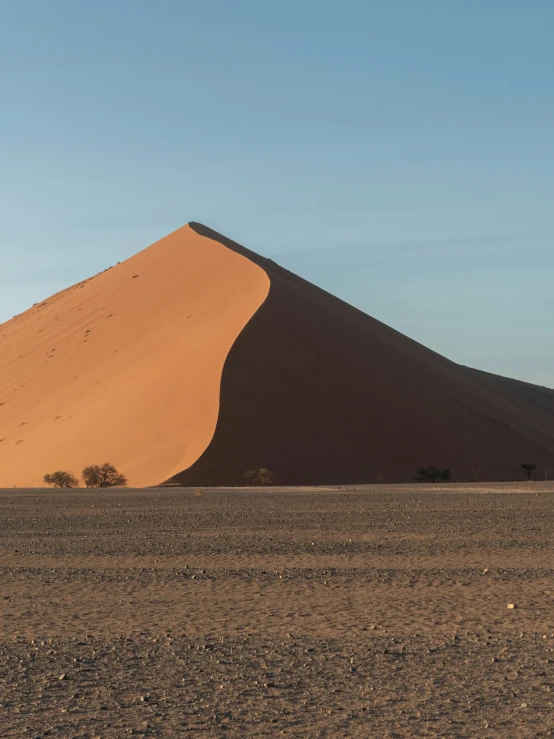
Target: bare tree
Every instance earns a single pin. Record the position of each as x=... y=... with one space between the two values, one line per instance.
x=529 y=468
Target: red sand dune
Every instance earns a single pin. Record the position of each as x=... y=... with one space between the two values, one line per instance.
x=197 y=359
x=125 y=367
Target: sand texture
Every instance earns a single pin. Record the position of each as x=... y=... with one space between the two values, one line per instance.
x=374 y=612
x=197 y=359
x=125 y=367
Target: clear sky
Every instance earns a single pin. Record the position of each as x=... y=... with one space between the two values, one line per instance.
x=399 y=153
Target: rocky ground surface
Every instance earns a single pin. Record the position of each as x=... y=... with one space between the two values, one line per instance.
x=367 y=612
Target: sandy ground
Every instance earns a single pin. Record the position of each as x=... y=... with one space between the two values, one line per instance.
x=368 y=612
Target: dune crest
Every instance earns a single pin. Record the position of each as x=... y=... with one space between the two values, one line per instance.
x=126 y=366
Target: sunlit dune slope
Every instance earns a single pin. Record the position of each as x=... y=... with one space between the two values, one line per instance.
x=319 y=392
x=125 y=367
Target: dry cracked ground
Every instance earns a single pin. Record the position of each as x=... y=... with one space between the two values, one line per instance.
x=361 y=612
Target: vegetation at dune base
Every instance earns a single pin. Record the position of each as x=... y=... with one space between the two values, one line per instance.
x=529 y=469
x=61 y=479
x=260 y=476
x=103 y=476
x=433 y=474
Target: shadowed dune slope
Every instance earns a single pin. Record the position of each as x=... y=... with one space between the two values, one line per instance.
x=125 y=367
x=538 y=399
x=320 y=393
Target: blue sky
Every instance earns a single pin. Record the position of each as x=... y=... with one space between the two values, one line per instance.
x=399 y=153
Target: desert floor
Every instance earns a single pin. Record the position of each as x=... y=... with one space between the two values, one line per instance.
x=353 y=612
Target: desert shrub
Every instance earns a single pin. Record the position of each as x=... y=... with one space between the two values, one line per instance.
x=103 y=476
x=198 y=492
x=433 y=474
x=61 y=479
x=260 y=476
x=529 y=469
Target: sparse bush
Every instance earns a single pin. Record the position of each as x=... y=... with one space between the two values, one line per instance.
x=529 y=469
x=260 y=476
x=433 y=474
x=103 y=476
x=61 y=479
x=198 y=492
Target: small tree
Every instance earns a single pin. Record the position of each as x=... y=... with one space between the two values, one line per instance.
x=61 y=479
x=529 y=468
x=260 y=476
x=103 y=476
x=433 y=474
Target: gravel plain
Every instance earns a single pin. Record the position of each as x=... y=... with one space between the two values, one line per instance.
x=377 y=611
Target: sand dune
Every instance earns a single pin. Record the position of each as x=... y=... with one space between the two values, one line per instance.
x=322 y=393
x=198 y=359
x=126 y=366
x=538 y=399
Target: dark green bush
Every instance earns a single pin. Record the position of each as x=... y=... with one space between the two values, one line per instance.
x=103 y=476
x=260 y=476
x=61 y=479
x=433 y=474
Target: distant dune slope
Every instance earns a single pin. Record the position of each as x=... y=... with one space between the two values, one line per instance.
x=125 y=367
x=319 y=392
x=534 y=398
